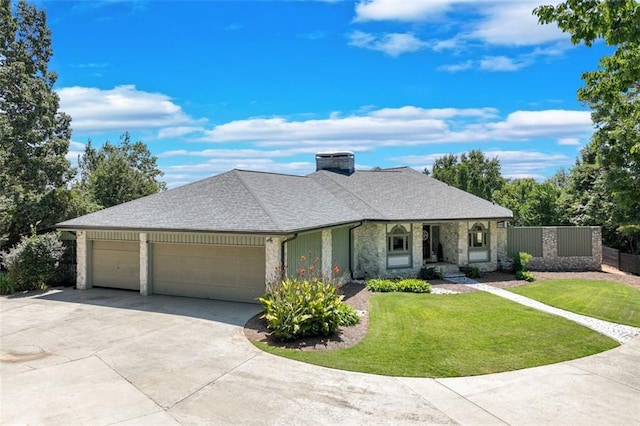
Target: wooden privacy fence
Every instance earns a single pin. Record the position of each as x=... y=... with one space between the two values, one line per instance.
x=622 y=261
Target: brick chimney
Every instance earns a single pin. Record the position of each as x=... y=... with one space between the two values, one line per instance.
x=342 y=162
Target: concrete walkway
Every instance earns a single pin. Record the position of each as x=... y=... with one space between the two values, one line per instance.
x=619 y=332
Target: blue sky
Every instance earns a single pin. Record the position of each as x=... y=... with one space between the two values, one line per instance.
x=215 y=85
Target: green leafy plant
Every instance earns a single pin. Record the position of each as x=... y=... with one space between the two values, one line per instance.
x=520 y=261
x=471 y=271
x=525 y=275
x=297 y=308
x=430 y=273
x=408 y=285
x=7 y=285
x=33 y=261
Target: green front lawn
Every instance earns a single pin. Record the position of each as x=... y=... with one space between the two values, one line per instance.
x=425 y=335
x=605 y=300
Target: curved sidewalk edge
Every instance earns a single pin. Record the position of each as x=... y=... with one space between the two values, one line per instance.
x=619 y=332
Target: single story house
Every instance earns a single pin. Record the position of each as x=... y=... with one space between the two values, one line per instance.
x=225 y=237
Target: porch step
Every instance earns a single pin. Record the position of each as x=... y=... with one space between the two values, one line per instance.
x=451 y=274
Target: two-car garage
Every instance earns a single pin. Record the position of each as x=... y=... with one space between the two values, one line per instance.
x=209 y=271
x=216 y=267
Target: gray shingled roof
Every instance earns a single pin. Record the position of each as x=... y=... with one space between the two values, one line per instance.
x=406 y=194
x=256 y=202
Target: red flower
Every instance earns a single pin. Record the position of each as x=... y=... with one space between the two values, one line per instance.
x=336 y=270
x=302 y=271
x=303 y=258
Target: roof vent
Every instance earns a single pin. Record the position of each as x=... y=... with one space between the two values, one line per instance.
x=338 y=162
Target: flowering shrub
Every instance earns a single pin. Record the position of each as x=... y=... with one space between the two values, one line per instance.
x=306 y=304
x=303 y=308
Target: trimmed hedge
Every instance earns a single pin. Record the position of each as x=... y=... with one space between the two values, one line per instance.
x=408 y=285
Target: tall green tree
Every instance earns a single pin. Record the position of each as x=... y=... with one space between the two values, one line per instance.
x=472 y=172
x=114 y=174
x=514 y=196
x=612 y=91
x=587 y=200
x=34 y=134
x=533 y=203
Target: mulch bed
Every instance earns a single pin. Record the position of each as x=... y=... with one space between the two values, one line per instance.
x=356 y=295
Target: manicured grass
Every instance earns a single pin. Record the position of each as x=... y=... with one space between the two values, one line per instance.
x=425 y=335
x=605 y=300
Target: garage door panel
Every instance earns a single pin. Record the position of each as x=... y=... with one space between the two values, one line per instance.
x=116 y=264
x=216 y=272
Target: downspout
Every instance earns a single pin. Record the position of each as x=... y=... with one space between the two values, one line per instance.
x=282 y=251
x=351 y=248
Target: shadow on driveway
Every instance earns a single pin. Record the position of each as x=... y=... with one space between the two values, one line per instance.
x=233 y=313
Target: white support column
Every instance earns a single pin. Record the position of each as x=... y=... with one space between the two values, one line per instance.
x=145 y=285
x=83 y=261
x=327 y=254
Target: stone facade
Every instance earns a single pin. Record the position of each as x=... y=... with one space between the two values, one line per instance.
x=371 y=252
x=449 y=240
x=550 y=261
x=272 y=258
x=369 y=249
x=145 y=269
x=83 y=261
x=494 y=242
x=502 y=253
x=327 y=254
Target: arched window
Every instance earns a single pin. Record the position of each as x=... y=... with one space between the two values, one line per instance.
x=478 y=236
x=398 y=240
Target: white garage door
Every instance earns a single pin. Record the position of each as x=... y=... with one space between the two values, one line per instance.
x=116 y=264
x=233 y=273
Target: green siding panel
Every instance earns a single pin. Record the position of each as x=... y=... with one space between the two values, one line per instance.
x=525 y=239
x=340 y=249
x=307 y=245
x=574 y=241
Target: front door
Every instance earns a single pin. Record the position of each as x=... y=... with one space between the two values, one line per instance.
x=426 y=243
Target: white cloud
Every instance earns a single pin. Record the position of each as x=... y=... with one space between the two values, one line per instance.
x=411 y=112
x=513 y=24
x=176 y=175
x=462 y=66
x=404 y=126
x=546 y=123
x=569 y=141
x=176 y=132
x=76 y=149
x=500 y=63
x=493 y=22
x=403 y=10
x=238 y=153
x=123 y=108
x=392 y=44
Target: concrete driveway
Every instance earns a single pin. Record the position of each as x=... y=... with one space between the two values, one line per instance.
x=105 y=357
